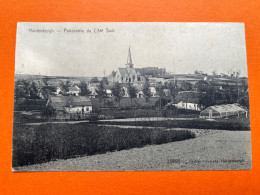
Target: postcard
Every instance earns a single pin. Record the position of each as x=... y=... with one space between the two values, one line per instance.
x=131 y=96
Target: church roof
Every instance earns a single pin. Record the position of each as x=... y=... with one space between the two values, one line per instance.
x=123 y=71
x=131 y=71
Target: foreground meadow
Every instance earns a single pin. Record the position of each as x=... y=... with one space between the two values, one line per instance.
x=221 y=150
x=34 y=144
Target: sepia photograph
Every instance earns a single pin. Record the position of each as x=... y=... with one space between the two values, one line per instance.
x=131 y=96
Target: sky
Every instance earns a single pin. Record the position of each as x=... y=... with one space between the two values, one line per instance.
x=62 y=49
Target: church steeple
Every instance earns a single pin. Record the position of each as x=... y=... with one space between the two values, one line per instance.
x=129 y=63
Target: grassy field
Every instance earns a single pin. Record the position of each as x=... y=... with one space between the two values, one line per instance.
x=46 y=142
x=203 y=153
x=222 y=124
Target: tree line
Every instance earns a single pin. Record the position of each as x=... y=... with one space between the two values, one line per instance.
x=209 y=92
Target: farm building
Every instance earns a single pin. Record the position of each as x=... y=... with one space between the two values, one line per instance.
x=224 y=111
x=93 y=87
x=70 y=104
x=74 y=90
x=188 y=100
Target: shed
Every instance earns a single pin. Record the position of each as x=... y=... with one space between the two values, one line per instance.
x=224 y=111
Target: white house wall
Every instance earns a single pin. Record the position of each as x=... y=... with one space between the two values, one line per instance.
x=189 y=106
x=87 y=109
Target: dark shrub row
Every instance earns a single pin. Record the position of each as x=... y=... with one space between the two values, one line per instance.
x=120 y=114
x=232 y=125
x=139 y=113
x=43 y=143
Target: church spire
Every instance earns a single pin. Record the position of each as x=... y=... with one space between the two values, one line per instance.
x=129 y=63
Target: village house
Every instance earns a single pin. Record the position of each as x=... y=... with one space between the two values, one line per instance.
x=93 y=87
x=109 y=93
x=139 y=89
x=153 y=91
x=58 y=91
x=70 y=104
x=188 y=100
x=74 y=90
x=188 y=105
x=167 y=92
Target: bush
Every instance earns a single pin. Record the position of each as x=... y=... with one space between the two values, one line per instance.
x=222 y=124
x=46 y=142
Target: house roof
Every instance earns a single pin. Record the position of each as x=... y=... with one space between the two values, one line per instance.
x=59 y=102
x=81 y=101
x=73 y=89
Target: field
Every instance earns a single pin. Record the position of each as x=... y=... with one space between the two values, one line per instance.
x=223 y=150
x=50 y=142
x=42 y=143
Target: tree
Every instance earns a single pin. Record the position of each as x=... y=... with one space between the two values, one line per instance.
x=33 y=91
x=117 y=92
x=21 y=89
x=214 y=73
x=45 y=80
x=132 y=91
x=94 y=80
x=146 y=90
x=173 y=90
x=244 y=85
x=65 y=86
x=160 y=91
x=46 y=91
x=162 y=102
x=25 y=89
x=84 y=91
x=207 y=98
x=105 y=80
x=113 y=73
x=243 y=99
x=202 y=86
x=101 y=92
x=186 y=86
x=237 y=74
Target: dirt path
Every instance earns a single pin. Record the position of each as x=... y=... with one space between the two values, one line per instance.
x=58 y=122
x=121 y=120
x=223 y=150
x=150 y=119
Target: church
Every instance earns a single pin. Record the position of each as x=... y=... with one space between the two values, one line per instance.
x=129 y=73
